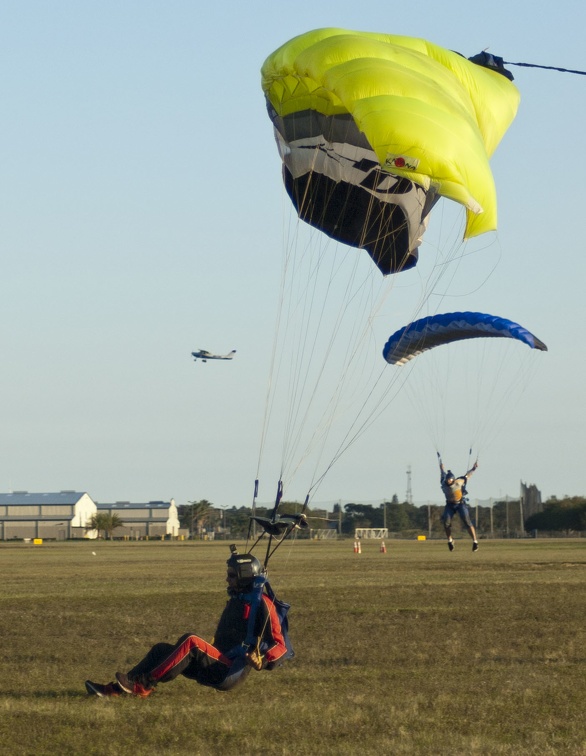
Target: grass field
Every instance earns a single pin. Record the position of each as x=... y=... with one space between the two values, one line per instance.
x=416 y=651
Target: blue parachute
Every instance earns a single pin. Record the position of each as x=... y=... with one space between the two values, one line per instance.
x=435 y=330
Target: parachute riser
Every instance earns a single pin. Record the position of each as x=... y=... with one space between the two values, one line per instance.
x=277 y=528
x=278 y=498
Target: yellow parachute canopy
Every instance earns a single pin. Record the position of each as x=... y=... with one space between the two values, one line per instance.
x=426 y=114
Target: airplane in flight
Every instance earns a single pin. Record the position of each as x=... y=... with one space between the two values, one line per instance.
x=204 y=355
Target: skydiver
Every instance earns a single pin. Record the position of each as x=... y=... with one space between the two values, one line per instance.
x=221 y=664
x=454 y=490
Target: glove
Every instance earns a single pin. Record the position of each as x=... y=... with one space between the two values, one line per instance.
x=254 y=660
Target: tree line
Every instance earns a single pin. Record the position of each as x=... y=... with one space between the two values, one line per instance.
x=567 y=515
x=503 y=519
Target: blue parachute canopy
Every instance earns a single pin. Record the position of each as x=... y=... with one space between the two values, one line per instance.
x=427 y=333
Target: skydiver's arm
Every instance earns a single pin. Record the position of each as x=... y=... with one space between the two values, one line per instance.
x=472 y=469
x=442 y=469
x=272 y=643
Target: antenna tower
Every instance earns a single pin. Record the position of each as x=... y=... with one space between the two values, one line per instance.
x=409 y=498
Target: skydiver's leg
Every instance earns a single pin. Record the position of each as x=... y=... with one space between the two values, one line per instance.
x=465 y=517
x=190 y=656
x=152 y=659
x=447 y=521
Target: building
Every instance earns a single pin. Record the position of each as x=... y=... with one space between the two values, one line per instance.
x=153 y=520
x=46 y=515
x=530 y=500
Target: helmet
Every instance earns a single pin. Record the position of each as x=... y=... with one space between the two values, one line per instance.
x=450 y=475
x=246 y=567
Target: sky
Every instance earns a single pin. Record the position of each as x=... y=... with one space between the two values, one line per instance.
x=142 y=216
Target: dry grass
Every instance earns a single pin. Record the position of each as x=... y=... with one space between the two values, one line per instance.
x=417 y=651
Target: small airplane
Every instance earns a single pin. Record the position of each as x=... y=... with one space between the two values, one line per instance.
x=204 y=356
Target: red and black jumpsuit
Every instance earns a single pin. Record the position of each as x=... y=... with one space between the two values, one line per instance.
x=222 y=664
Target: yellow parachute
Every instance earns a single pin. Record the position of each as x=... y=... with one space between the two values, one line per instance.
x=372 y=127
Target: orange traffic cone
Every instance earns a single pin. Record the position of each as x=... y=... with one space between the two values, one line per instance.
x=383 y=548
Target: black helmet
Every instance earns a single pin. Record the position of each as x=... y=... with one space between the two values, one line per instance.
x=246 y=567
x=450 y=475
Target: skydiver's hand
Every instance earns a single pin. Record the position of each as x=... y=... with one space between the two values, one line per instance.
x=475 y=465
x=254 y=660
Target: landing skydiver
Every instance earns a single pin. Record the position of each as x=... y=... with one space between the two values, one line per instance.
x=240 y=643
x=454 y=489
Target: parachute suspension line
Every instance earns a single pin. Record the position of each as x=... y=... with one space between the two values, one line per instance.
x=302 y=298
x=357 y=429
x=363 y=421
x=362 y=328
x=278 y=498
x=290 y=262
x=290 y=530
x=297 y=297
x=272 y=368
x=252 y=523
x=449 y=251
x=473 y=385
x=350 y=363
x=446 y=254
x=547 y=68
x=303 y=387
x=296 y=301
x=513 y=374
x=306 y=387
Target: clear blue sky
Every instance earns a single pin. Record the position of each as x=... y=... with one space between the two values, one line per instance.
x=142 y=216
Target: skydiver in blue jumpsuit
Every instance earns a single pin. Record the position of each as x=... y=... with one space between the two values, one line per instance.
x=454 y=489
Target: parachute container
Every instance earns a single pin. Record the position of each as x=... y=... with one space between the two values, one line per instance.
x=373 y=128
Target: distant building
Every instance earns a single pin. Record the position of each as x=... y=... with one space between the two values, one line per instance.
x=154 y=519
x=531 y=500
x=45 y=515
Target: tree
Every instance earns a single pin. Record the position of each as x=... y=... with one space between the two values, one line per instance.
x=567 y=514
x=106 y=521
x=239 y=520
x=397 y=518
x=194 y=514
x=361 y=516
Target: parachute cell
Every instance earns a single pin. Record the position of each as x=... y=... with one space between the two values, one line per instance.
x=372 y=128
x=435 y=330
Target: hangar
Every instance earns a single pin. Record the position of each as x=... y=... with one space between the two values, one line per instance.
x=66 y=514
x=59 y=515
x=153 y=519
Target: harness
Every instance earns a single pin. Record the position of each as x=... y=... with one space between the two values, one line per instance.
x=261 y=586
